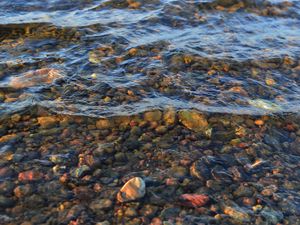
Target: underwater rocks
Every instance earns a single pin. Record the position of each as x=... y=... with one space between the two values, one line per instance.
x=150 y=167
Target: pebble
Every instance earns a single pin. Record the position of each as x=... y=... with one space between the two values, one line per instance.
x=169 y=212
x=120 y=157
x=270 y=81
x=102 y=204
x=132 y=190
x=6 y=202
x=8 y=137
x=149 y=210
x=80 y=171
x=30 y=176
x=36 y=77
x=170 y=116
x=130 y=212
x=23 y=190
x=193 y=120
x=103 y=223
x=200 y=170
x=271 y=216
x=243 y=191
x=6 y=187
x=259 y=122
x=153 y=116
x=269 y=191
x=179 y=171
x=237 y=213
x=104 y=124
x=194 y=200
x=156 y=221
x=47 y=121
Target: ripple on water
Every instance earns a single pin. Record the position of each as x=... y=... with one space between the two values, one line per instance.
x=217 y=56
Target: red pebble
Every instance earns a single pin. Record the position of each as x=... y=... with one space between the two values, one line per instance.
x=30 y=176
x=243 y=145
x=194 y=200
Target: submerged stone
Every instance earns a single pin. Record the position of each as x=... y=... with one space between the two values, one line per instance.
x=200 y=170
x=80 y=171
x=36 y=77
x=170 y=116
x=47 y=121
x=271 y=216
x=194 y=200
x=237 y=213
x=151 y=116
x=265 y=104
x=193 y=120
x=132 y=190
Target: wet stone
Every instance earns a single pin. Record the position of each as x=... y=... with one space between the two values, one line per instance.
x=120 y=157
x=104 y=123
x=179 y=171
x=194 y=200
x=149 y=210
x=23 y=190
x=153 y=116
x=102 y=204
x=36 y=77
x=200 y=170
x=170 y=116
x=169 y=212
x=221 y=174
x=9 y=138
x=237 y=213
x=243 y=191
x=80 y=171
x=6 y=187
x=193 y=120
x=132 y=190
x=47 y=121
x=269 y=190
x=6 y=172
x=130 y=212
x=30 y=175
x=271 y=216
x=103 y=223
x=272 y=141
x=6 y=202
x=214 y=185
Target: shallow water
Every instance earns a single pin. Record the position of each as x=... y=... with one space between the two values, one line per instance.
x=215 y=56
x=195 y=97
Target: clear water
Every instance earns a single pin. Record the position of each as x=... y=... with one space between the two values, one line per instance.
x=210 y=55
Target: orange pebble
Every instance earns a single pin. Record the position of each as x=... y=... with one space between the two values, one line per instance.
x=133 y=51
x=158 y=57
x=259 y=122
x=30 y=176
